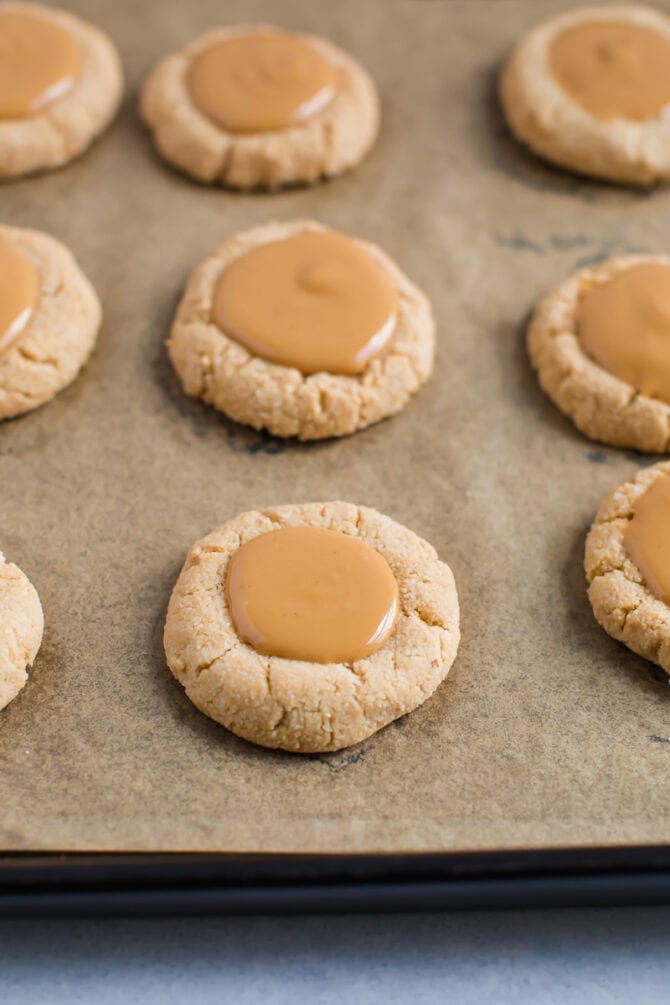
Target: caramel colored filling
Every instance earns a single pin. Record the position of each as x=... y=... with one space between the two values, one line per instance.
x=19 y=288
x=261 y=82
x=647 y=537
x=316 y=301
x=614 y=69
x=311 y=594
x=39 y=63
x=624 y=324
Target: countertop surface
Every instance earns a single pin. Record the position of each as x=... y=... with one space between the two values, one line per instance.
x=594 y=956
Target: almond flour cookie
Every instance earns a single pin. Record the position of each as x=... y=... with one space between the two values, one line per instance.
x=293 y=328
x=60 y=86
x=253 y=106
x=627 y=564
x=600 y=343
x=21 y=626
x=310 y=627
x=49 y=319
x=589 y=90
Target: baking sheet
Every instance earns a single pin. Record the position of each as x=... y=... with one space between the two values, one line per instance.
x=547 y=732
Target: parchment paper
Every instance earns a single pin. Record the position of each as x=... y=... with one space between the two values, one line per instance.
x=547 y=732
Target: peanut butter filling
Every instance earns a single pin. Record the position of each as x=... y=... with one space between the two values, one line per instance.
x=316 y=301
x=305 y=593
x=624 y=325
x=261 y=82
x=614 y=69
x=19 y=288
x=647 y=537
x=39 y=63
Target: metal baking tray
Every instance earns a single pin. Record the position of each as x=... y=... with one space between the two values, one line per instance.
x=538 y=772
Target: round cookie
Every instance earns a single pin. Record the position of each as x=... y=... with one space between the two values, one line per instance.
x=64 y=125
x=21 y=626
x=622 y=601
x=60 y=332
x=631 y=147
x=302 y=706
x=327 y=142
x=265 y=395
x=601 y=405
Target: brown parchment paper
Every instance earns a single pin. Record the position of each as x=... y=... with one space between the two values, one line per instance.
x=547 y=732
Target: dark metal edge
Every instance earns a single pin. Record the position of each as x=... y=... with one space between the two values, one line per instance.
x=198 y=884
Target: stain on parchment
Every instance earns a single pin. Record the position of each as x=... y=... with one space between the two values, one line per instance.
x=593 y=249
x=341 y=761
x=250 y=441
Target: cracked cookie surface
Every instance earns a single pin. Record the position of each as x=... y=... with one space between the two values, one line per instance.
x=281 y=399
x=21 y=626
x=621 y=601
x=60 y=333
x=300 y=706
x=65 y=127
x=323 y=145
x=602 y=406
x=542 y=115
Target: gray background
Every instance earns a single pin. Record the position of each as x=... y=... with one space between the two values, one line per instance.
x=567 y=958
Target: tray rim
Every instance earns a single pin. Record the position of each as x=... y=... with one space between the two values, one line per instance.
x=119 y=884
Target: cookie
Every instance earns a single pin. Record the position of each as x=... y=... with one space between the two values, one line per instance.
x=49 y=319
x=598 y=343
x=588 y=91
x=252 y=106
x=21 y=626
x=627 y=563
x=300 y=704
x=60 y=86
x=325 y=291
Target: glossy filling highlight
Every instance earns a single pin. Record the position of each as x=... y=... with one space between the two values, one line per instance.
x=261 y=82
x=19 y=289
x=318 y=302
x=306 y=593
x=39 y=63
x=624 y=325
x=647 y=537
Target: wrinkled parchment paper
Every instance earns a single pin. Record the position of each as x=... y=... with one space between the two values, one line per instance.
x=547 y=732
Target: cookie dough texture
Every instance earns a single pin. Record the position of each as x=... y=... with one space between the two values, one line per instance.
x=326 y=144
x=621 y=602
x=60 y=333
x=21 y=626
x=545 y=118
x=281 y=399
x=66 y=126
x=601 y=405
x=301 y=706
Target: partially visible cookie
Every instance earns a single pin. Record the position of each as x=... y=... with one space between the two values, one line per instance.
x=627 y=564
x=21 y=626
x=600 y=343
x=49 y=319
x=215 y=366
x=589 y=90
x=60 y=86
x=302 y=705
x=254 y=106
